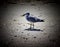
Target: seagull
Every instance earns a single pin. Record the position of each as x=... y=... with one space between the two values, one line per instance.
x=31 y=19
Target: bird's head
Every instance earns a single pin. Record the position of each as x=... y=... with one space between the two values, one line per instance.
x=26 y=14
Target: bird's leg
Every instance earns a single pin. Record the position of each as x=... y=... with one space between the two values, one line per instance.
x=33 y=25
x=30 y=26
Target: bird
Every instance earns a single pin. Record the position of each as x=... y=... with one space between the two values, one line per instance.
x=31 y=19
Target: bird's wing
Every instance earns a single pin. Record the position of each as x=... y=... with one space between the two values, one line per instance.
x=35 y=18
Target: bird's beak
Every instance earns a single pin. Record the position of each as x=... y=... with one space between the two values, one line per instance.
x=22 y=15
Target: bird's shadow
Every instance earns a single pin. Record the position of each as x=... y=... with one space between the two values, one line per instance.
x=29 y=29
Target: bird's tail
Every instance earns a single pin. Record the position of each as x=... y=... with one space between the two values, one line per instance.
x=39 y=20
